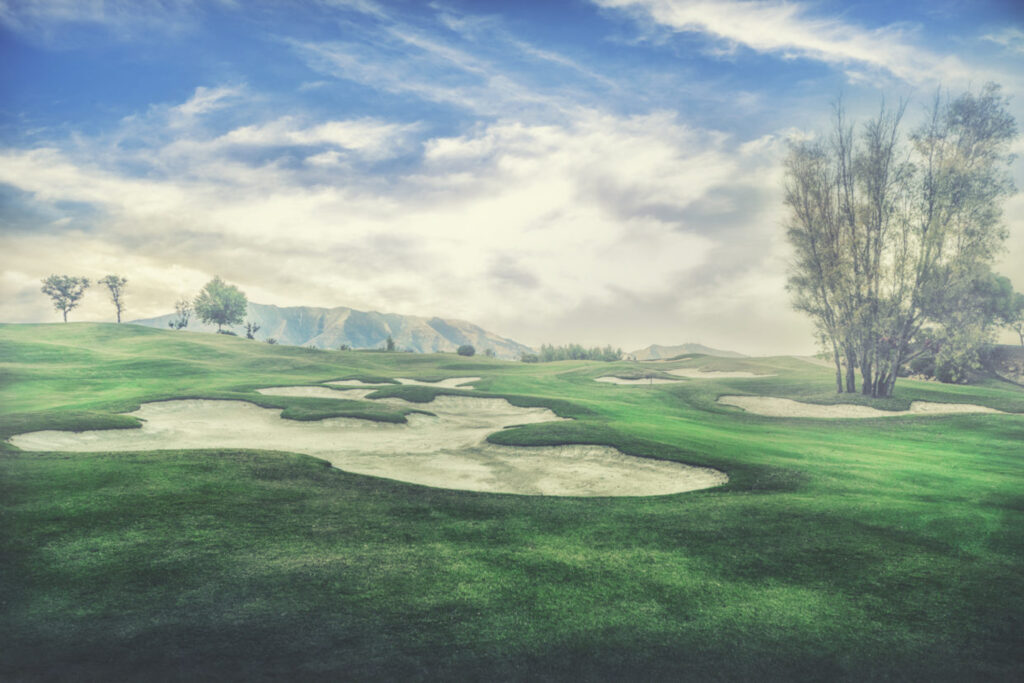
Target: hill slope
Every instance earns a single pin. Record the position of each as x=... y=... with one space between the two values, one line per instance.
x=658 y=352
x=329 y=328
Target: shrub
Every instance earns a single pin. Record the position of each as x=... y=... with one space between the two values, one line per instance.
x=466 y=350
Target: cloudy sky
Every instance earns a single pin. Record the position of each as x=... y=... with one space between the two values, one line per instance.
x=597 y=171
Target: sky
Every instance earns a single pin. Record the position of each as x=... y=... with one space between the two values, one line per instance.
x=590 y=171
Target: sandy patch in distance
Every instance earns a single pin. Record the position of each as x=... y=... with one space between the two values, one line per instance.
x=784 y=407
x=450 y=383
x=650 y=380
x=694 y=373
x=448 y=450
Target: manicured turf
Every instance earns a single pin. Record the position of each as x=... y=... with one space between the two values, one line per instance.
x=849 y=550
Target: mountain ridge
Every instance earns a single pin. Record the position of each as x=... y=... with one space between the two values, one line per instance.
x=659 y=352
x=330 y=328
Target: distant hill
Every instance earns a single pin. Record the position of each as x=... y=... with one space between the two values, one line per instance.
x=329 y=328
x=658 y=352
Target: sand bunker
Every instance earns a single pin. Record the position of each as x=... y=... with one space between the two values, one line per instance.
x=694 y=373
x=784 y=407
x=450 y=383
x=446 y=451
x=649 y=380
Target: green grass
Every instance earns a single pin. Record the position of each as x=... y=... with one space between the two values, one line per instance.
x=840 y=550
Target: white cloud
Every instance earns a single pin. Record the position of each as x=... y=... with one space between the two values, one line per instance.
x=509 y=225
x=205 y=100
x=789 y=30
x=1011 y=38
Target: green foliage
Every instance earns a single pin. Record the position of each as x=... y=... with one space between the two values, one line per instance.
x=116 y=284
x=221 y=304
x=893 y=238
x=251 y=329
x=389 y=344
x=66 y=291
x=466 y=350
x=182 y=314
x=549 y=353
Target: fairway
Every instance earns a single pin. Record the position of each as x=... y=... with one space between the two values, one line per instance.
x=838 y=549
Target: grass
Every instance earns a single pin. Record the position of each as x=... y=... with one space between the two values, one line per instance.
x=843 y=550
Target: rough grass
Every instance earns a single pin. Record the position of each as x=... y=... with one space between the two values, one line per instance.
x=841 y=550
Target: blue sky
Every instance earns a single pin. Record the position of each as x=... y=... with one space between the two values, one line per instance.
x=601 y=171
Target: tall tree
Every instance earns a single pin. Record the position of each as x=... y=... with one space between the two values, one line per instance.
x=66 y=291
x=221 y=304
x=891 y=236
x=115 y=284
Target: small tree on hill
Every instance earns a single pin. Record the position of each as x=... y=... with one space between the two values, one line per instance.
x=116 y=283
x=466 y=350
x=251 y=329
x=221 y=304
x=66 y=291
x=183 y=313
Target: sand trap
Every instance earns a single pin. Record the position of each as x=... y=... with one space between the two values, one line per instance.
x=784 y=407
x=446 y=451
x=650 y=380
x=694 y=373
x=450 y=383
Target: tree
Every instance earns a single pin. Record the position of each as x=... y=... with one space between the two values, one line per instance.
x=466 y=350
x=183 y=313
x=220 y=303
x=1015 y=319
x=66 y=291
x=389 y=344
x=116 y=285
x=891 y=237
x=251 y=329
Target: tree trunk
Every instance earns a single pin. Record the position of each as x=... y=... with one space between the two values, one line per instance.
x=851 y=372
x=839 y=368
x=119 y=316
x=867 y=381
x=65 y=311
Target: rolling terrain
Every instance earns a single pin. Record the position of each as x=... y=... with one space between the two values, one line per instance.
x=659 y=352
x=329 y=328
x=853 y=550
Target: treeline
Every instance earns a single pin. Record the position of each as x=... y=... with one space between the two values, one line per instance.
x=549 y=353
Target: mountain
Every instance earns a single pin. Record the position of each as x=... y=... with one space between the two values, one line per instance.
x=658 y=352
x=329 y=328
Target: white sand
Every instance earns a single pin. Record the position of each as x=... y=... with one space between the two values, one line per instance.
x=694 y=373
x=450 y=383
x=784 y=407
x=651 y=380
x=446 y=451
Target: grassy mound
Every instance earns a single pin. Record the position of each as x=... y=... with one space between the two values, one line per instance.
x=859 y=549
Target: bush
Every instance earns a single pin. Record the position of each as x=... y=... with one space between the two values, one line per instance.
x=271 y=340
x=466 y=350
